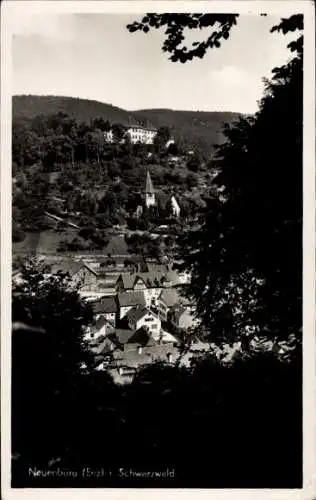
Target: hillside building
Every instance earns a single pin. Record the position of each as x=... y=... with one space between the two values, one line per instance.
x=139 y=317
x=141 y=134
x=136 y=133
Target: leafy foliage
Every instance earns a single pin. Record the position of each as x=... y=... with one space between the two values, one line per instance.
x=191 y=128
x=176 y=24
x=246 y=261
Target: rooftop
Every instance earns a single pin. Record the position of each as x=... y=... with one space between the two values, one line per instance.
x=67 y=266
x=105 y=305
x=131 y=299
x=152 y=279
x=122 y=336
x=177 y=310
x=98 y=324
x=141 y=127
x=137 y=313
x=169 y=296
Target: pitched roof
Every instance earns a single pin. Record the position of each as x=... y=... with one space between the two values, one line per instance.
x=98 y=325
x=70 y=266
x=154 y=278
x=137 y=312
x=165 y=337
x=139 y=337
x=142 y=338
x=149 y=185
x=105 y=305
x=131 y=299
x=67 y=266
x=141 y=127
x=128 y=280
x=169 y=296
x=122 y=336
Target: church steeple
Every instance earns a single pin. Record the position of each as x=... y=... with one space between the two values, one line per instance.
x=149 y=185
x=149 y=191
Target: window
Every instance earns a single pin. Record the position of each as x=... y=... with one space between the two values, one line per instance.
x=149 y=319
x=154 y=326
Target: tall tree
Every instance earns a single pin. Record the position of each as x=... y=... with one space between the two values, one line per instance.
x=47 y=356
x=246 y=260
x=161 y=138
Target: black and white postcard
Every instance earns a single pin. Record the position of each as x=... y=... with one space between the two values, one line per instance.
x=158 y=237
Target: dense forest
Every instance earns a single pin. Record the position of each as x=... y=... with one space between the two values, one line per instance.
x=195 y=128
x=67 y=167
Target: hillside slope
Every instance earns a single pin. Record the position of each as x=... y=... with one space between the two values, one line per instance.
x=196 y=128
x=83 y=110
x=201 y=128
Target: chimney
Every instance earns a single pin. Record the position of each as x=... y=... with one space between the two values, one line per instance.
x=140 y=349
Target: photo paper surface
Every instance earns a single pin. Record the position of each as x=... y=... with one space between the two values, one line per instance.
x=157 y=240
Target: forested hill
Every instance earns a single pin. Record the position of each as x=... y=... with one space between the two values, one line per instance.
x=196 y=128
x=83 y=110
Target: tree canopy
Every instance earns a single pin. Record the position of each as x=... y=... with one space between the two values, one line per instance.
x=246 y=261
x=220 y=26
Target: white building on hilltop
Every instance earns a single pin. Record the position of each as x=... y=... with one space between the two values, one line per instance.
x=141 y=134
x=136 y=133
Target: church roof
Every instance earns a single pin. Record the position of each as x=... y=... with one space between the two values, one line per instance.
x=149 y=184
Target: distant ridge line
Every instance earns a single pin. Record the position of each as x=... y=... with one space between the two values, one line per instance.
x=197 y=129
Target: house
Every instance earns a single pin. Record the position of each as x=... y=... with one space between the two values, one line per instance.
x=79 y=272
x=165 y=338
x=107 y=308
x=182 y=317
x=130 y=340
x=105 y=287
x=136 y=133
x=103 y=346
x=150 y=283
x=128 y=300
x=101 y=328
x=140 y=316
x=166 y=300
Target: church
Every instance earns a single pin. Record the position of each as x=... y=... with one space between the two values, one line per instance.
x=149 y=199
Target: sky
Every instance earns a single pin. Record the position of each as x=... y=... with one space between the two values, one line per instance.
x=93 y=56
